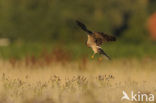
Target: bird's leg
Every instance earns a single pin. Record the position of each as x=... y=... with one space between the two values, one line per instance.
x=93 y=56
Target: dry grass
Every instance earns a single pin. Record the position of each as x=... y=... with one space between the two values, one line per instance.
x=74 y=82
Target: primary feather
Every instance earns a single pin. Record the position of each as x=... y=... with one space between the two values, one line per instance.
x=83 y=27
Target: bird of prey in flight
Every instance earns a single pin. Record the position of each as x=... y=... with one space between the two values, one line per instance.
x=96 y=39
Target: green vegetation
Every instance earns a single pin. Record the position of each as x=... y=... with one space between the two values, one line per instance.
x=34 y=26
x=38 y=20
x=76 y=51
x=44 y=59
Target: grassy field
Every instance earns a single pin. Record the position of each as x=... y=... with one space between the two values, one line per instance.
x=76 y=51
x=81 y=81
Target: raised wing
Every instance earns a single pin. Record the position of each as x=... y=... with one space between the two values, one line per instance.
x=83 y=27
x=101 y=37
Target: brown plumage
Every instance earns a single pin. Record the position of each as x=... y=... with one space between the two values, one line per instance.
x=96 y=39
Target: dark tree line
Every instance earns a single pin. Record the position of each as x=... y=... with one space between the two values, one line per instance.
x=53 y=20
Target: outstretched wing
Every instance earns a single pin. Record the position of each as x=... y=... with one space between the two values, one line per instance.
x=83 y=27
x=101 y=37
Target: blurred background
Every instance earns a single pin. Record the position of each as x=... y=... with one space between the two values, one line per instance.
x=47 y=28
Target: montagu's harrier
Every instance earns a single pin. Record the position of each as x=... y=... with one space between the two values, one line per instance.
x=96 y=39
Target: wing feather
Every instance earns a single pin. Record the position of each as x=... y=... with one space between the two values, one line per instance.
x=101 y=37
x=83 y=27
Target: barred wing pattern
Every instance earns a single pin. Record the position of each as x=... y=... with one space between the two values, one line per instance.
x=101 y=37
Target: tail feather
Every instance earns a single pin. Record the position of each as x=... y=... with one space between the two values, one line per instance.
x=83 y=27
x=103 y=53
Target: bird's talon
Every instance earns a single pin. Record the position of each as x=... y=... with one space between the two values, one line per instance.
x=92 y=56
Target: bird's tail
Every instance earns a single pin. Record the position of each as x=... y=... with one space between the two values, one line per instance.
x=103 y=53
x=83 y=27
